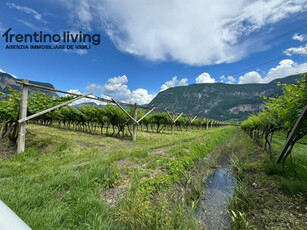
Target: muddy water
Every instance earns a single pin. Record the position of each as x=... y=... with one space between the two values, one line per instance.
x=213 y=205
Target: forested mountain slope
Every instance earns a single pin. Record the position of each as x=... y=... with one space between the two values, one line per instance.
x=218 y=100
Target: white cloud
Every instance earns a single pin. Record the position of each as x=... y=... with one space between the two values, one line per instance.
x=169 y=84
x=193 y=32
x=76 y=91
x=204 y=78
x=81 y=52
x=27 y=10
x=77 y=51
x=93 y=88
x=183 y=82
x=229 y=79
x=299 y=37
x=284 y=68
x=117 y=88
x=81 y=12
x=174 y=82
x=120 y=80
x=84 y=100
x=250 y=77
x=302 y=50
x=33 y=26
x=141 y=96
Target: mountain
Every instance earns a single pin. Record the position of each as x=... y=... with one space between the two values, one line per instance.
x=218 y=100
x=86 y=104
x=7 y=79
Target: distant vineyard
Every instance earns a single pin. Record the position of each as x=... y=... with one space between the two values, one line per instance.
x=108 y=119
x=280 y=114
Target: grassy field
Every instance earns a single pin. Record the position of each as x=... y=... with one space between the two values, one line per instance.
x=268 y=197
x=73 y=180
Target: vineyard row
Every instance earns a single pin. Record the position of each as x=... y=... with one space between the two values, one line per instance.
x=91 y=119
x=280 y=114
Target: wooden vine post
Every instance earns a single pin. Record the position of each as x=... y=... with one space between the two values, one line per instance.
x=173 y=120
x=134 y=118
x=2 y=127
x=21 y=141
x=294 y=130
x=22 y=114
x=51 y=109
x=191 y=121
x=135 y=125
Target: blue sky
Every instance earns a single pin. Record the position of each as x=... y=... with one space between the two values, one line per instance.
x=148 y=46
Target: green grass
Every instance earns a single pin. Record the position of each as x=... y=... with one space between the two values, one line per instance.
x=64 y=179
x=267 y=197
x=287 y=179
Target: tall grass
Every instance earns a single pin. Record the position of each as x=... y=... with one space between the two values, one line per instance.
x=286 y=178
x=58 y=182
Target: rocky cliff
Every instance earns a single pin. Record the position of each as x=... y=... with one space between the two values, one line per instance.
x=7 y=80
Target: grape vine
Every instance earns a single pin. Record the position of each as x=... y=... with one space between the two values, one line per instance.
x=279 y=114
x=108 y=119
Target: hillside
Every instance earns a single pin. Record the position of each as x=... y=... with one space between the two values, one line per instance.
x=79 y=105
x=8 y=80
x=218 y=100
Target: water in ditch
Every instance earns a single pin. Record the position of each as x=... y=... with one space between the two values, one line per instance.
x=219 y=188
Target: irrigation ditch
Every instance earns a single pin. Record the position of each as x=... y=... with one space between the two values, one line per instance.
x=212 y=209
